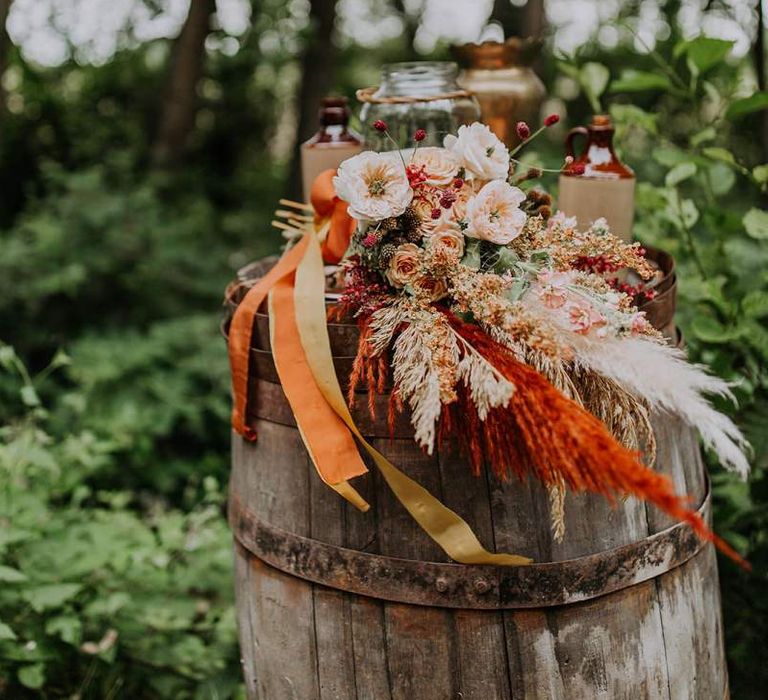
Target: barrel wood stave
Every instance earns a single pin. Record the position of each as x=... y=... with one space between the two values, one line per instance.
x=660 y=638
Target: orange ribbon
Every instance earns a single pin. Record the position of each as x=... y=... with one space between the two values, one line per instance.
x=241 y=332
x=331 y=215
x=327 y=438
x=332 y=211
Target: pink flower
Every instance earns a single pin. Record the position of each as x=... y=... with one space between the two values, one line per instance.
x=553 y=288
x=553 y=297
x=639 y=325
x=584 y=318
x=419 y=135
x=523 y=130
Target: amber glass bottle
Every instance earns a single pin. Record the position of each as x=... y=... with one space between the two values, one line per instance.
x=333 y=143
x=607 y=187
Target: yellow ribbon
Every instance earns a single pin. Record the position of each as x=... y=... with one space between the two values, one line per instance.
x=443 y=525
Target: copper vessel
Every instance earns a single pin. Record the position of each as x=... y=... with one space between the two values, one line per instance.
x=502 y=80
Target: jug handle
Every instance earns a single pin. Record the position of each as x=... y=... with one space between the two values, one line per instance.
x=572 y=134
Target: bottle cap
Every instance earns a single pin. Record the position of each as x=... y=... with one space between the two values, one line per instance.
x=334 y=110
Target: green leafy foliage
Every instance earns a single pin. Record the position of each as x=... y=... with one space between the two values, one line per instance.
x=102 y=594
x=700 y=198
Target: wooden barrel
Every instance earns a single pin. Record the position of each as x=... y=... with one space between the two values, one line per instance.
x=337 y=604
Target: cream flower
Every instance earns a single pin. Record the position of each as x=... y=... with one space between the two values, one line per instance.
x=494 y=214
x=480 y=151
x=374 y=185
x=458 y=211
x=448 y=235
x=439 y=164
x=404 y=265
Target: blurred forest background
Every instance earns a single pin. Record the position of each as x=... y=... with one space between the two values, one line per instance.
x=143 y=146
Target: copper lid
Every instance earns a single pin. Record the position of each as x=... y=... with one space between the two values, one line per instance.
x=494 y=55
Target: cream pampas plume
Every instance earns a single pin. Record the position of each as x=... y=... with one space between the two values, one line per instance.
x=660 y=375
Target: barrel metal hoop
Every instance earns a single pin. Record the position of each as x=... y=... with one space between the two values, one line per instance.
x=466 y=586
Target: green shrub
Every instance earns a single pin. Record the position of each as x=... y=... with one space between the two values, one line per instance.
x=105 y=593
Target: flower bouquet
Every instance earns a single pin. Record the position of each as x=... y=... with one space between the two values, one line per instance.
x=501 y=326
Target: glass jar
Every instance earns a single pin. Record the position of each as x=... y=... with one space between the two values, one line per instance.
x=418 y=95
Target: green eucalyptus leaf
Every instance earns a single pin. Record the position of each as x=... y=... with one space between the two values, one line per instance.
x=517 y=289
x=632 y=80
x=756 y=223
x=472 y=255
x=682 y=171
x=747 y=105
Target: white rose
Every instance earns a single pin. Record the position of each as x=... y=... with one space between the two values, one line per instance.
x=439 y=164
x=374 y=185
x=494 y=213
x=479 y=151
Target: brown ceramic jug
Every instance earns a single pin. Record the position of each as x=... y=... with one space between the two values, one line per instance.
x=607 y=187
x=333 y=143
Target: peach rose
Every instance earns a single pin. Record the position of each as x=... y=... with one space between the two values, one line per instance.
x=448 y=235
x=404 y=265
x=440 y=165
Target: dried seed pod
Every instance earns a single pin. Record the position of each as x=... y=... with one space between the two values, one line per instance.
x=386 y=253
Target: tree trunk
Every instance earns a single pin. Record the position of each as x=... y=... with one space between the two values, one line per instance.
x=758 y=55
x=318 y=72
x=525 y=21
x=410 y=27
x=5 y=47
x=534 y=19
x=179 y=107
